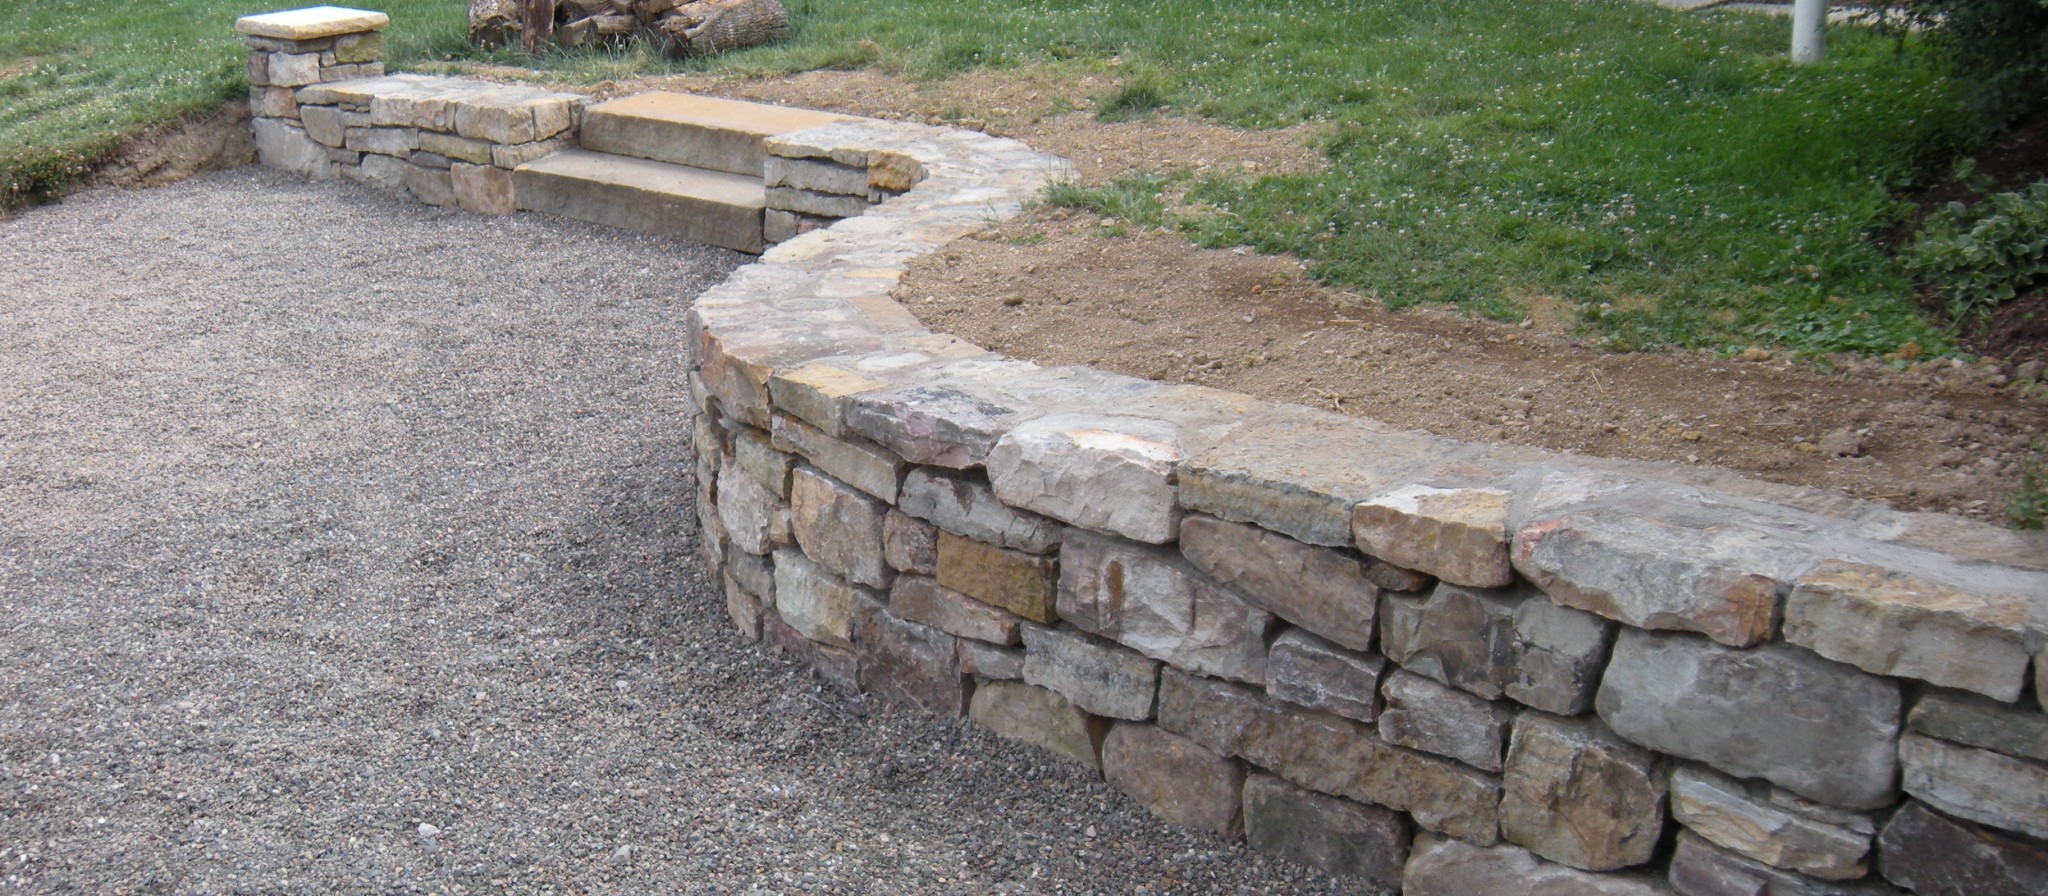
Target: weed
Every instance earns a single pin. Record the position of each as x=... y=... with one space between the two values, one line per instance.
x=2027 y=508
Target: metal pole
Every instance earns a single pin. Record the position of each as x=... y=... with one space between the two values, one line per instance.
x=1807 y=18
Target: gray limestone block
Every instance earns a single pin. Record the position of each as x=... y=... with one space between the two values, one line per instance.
x=1771 y=826
x=1149 y=599
x=1440 y=866
x=1977 y=722
x=1722 y=580
x=1339 y=836
x=970 y=509
x=430 y=185
x=381 y=172
x=1341 y=757
x=809 y=202
x=1979 y=785
x=837 y=525
x=323 y=124
x=1927 y=852
x=1575 y=793
x=754 y=573
x=1308 y=671
x=1813 y=726
x=1320 y=589
x=287 y=147
x=756 y=455
x=815 y=175
x=1108 y=473
x=1424 y=715
x=1176 y=778
x=991 y=661
x=813 y=601
x=1699 y=868
x=1098 y=677
x=396 y=142
x=1213 y=713
x=1499 y=642
x=753 y=517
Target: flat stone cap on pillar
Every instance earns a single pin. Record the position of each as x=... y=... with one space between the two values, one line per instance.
x=312 y=23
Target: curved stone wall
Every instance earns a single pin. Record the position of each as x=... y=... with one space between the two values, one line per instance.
x=1439 y=667
x=1448 y=668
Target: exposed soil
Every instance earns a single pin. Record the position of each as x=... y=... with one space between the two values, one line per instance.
x=1050 y=287
x=176 y=150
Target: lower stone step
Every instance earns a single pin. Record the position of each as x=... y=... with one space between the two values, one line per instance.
x=712 y=207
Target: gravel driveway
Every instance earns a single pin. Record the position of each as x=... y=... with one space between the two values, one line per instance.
x=343 y=549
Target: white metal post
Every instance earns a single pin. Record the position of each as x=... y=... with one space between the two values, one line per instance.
x=1807 y=18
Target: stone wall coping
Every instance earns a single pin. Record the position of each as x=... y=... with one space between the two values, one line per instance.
x=816 y=308
x=432 y=87
x=312 y=23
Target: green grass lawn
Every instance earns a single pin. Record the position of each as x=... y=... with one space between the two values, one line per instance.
x=1666 y=177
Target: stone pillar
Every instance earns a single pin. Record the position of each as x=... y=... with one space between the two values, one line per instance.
x=294 y=48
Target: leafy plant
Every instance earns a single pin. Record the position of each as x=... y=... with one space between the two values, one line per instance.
x=2028 y=506
x=1999 y=49
x=1982 y=255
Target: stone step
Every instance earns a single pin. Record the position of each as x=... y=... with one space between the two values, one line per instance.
x=700 y=131
x=715 y=207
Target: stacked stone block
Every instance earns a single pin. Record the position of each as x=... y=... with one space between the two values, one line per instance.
x=324 y=108
x=814 y=181
x=1438 y=667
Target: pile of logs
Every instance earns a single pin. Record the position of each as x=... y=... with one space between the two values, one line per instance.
x=678 y=27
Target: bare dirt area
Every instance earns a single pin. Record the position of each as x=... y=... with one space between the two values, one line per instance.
x=1051 y=287
x=176 y=150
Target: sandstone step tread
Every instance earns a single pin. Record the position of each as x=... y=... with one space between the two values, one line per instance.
x=711 y=112
x=714 y=207
x=703 y=132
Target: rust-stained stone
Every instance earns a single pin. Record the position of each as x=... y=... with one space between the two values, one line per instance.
x=1574 y=793
x=1175 y=778
x=1020 y=583
x=817 y=393
x=1325 y=591
x=923 y=600
x=893 y=172
x=910 y=544
x=909 y=664
x=1771 y=826
x=1888 y=623
x=1699 y=868
x=1457 y=534
x=1033 y=715
x=743 y=608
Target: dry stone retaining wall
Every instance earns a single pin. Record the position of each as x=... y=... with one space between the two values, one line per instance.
x=1439 y=667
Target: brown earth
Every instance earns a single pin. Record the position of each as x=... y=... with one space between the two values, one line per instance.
x=1056 y=288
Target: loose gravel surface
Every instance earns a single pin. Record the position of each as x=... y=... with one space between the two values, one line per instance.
x=344 y=548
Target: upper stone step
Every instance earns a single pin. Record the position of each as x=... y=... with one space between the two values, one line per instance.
x=716 y=207
x=702 y=132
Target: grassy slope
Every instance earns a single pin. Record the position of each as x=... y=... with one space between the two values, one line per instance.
x=84 y=74
x=1668 y=177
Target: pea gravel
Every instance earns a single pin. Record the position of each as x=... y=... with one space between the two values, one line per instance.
x=344 y=548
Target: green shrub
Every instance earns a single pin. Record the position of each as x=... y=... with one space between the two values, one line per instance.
x=1999 y=49
x=2028 y=507
x=1982 y=255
